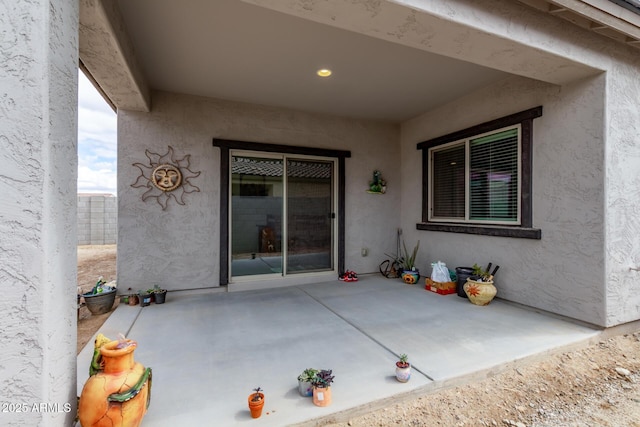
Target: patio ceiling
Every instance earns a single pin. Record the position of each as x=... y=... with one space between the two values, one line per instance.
x=390 y=62
x=232 y=50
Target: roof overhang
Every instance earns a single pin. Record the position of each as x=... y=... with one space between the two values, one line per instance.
x=392 y=59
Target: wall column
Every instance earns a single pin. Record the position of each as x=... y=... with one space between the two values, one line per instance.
x=38 y=153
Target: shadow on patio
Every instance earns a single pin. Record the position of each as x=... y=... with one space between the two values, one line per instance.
x=209 y=349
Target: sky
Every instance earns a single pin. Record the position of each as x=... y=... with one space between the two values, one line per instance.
x=97 y=141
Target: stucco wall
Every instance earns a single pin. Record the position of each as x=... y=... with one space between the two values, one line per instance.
x=623 y=189
x=612 y=99
x=562 y=273
x=38 y=134
x=178 y=247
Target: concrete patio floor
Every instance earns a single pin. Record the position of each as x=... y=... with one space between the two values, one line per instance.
x=209 y=349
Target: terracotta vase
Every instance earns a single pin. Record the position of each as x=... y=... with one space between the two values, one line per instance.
x=480 y=293
x=322 y=396
x=255 y=406
x=119 y=395
x=403 y=374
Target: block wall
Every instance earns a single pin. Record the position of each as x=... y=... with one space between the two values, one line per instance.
x=97 y=220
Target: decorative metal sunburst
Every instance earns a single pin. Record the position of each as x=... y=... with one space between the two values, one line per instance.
x=166 y=177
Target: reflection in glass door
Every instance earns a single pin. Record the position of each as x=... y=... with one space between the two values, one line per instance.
x=281 y=226
x=310 y=215
x=256 y=215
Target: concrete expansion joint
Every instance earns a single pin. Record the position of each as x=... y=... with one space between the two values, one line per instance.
x=363 y=332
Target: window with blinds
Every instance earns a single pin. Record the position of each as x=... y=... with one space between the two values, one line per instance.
x=477 y=179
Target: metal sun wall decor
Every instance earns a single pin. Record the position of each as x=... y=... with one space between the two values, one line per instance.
x=166 y=177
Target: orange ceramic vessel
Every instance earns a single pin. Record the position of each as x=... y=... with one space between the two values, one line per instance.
x=100 y=404
x=255 y=406
x=322 y=396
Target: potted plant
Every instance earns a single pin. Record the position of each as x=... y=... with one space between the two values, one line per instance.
x=305 y=380
x=146 y=297
x=406 y=264
x=403 y=369
x=159 y=294
x=101 y=297
x=256 y=402
x=479 y=287
x=410 y=274
x=322 y=387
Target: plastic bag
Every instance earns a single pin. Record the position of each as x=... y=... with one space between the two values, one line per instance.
x=440 y=272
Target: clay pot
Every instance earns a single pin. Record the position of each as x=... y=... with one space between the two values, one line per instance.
x=403 y=373
x=133 y=299
x=480 y=293
x=119 y=395
x=255 y=406
x=322 y=396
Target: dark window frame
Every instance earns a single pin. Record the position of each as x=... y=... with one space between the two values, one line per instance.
x=525 y=228
x=226 y=145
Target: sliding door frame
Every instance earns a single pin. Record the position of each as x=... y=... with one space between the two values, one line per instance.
x=226 y=145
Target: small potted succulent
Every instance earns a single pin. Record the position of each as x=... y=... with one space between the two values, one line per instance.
x=256 y=402
x=403 y=369
x=305 y=380
x=133 y=297
x=322 y=387
x=159 y=294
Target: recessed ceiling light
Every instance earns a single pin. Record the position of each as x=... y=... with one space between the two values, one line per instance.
x=324 y=72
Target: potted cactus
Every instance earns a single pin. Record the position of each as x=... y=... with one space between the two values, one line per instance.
x=403 y=369
x=159 y=294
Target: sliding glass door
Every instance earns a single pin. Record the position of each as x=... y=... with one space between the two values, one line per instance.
x=282 y=215
x=310 y=215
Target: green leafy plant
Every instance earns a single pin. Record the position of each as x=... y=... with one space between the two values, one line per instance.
x=308 y=375
x=408 y=261
x=323 y=379
x=481 y=273
x=256 y=396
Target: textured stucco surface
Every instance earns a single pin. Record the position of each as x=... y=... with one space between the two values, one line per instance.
x=622 y=250
x=586 y=190
x=38 y=103
x=178 y=247
x=568 y=197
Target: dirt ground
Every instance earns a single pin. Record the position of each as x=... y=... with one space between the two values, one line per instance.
x=596 y=385
x=93 y=261
x=593 y=386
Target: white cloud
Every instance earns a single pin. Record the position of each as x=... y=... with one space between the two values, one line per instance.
x=97 y=141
